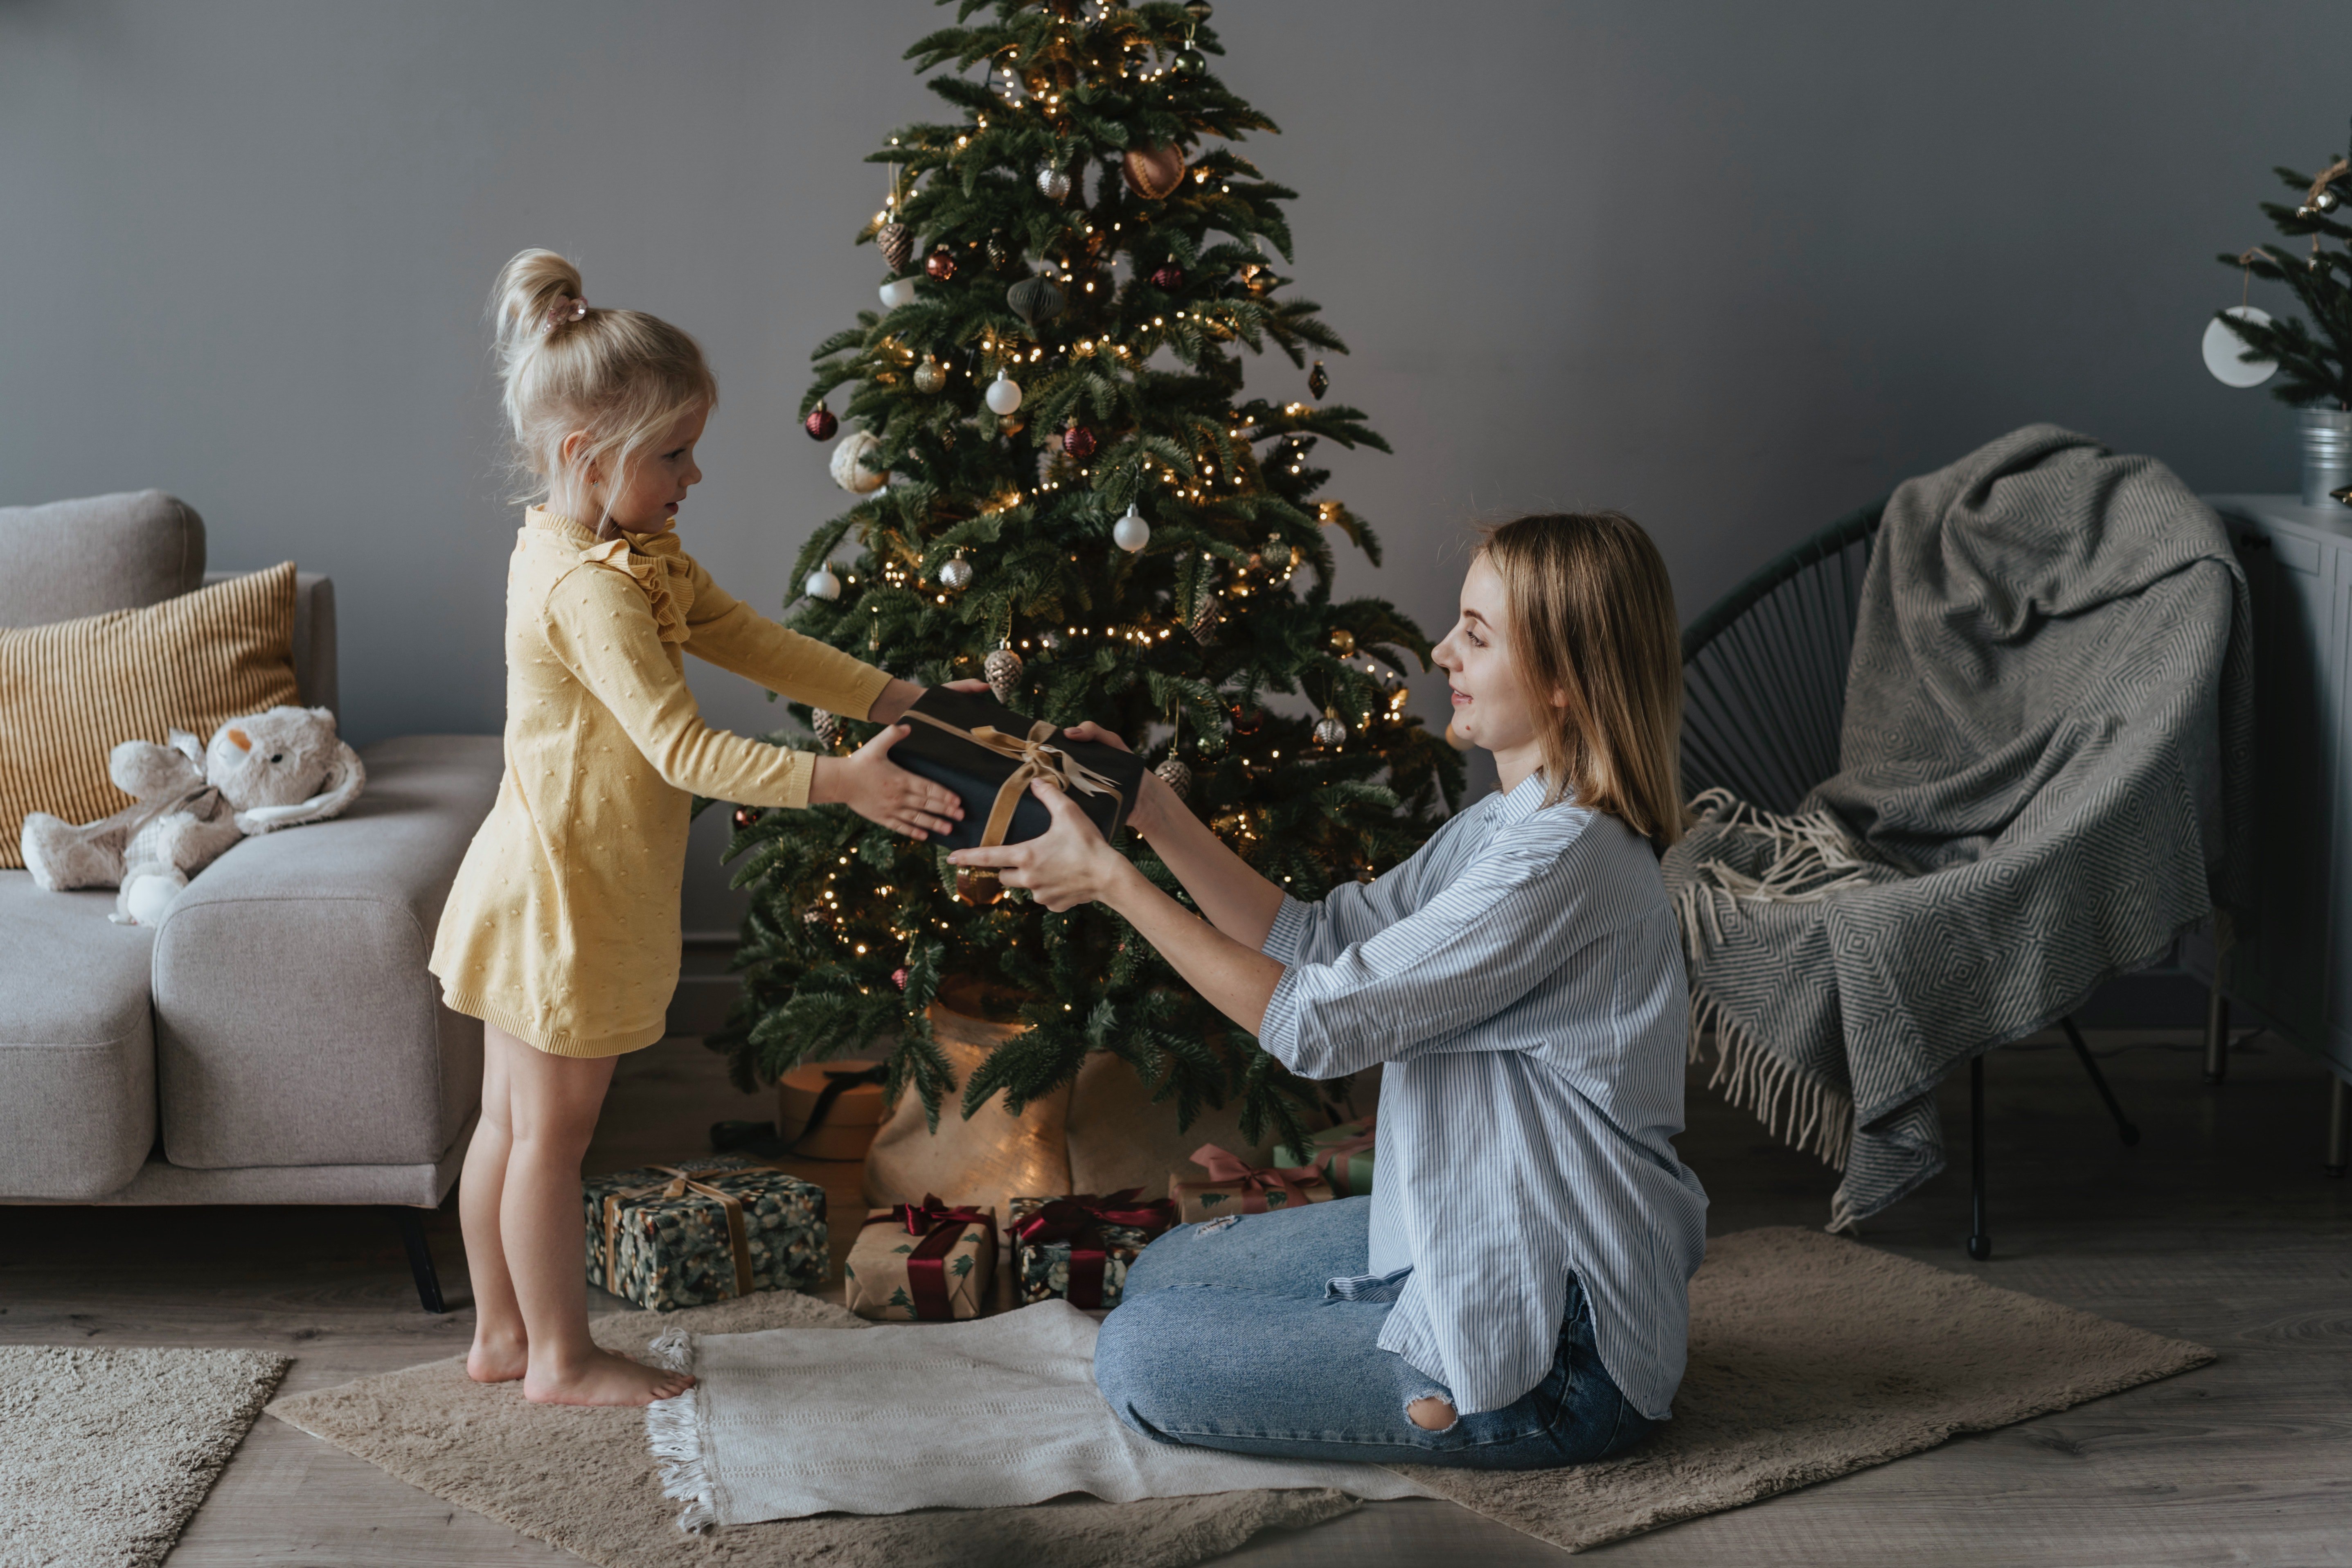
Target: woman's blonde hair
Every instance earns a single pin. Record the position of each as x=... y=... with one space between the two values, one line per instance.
x=621 y=375
x=1592 y=616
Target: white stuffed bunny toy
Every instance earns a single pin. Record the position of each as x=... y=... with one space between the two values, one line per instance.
x=262 y=773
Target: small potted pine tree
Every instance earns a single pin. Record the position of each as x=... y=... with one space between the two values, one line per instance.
x=2313 y=362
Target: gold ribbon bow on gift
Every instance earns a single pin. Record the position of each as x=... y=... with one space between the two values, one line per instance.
x=1033 y=759
x=653 y=559
x=680 y=1183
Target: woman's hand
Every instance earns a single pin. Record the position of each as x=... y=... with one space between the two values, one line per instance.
x=879 y=790
x=1151 y=800
x=1069 y=866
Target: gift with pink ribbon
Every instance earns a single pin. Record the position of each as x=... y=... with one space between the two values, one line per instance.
x=1079 y=1248
x=1343 y=1153
x=928 y=1262
x=1237 y=1186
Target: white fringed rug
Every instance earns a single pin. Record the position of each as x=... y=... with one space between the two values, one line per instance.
x=105 y=1454
x=995 y=1413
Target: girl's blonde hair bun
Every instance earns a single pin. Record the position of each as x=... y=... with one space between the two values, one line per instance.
x=623 y=376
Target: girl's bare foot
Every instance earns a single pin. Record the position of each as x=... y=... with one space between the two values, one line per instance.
x=498 y=1358
x=601 y=1378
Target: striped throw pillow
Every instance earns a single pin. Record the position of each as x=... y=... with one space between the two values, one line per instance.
x=73 y=690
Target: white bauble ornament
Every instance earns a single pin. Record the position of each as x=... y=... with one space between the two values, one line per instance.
x=897 y=292
x=956 y=575
x=1003 y=395
x=1131 y=533
x=822 y=584
x=1052 y=183
x=847 y=472
x=1330 y=729
x=2223 y=346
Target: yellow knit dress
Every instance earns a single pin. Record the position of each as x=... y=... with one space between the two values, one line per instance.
x=563 y=926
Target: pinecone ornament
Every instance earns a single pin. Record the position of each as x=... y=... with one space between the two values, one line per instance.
x=826 y=727
x=1205 y=616
x=1176 y=775
x=1002 y=668
x=897 y=243
x=1317 y=381
x=1000 y=251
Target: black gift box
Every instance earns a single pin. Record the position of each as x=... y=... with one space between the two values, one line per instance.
x=978 y=774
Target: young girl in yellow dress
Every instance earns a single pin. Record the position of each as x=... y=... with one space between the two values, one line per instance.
x=562 y=931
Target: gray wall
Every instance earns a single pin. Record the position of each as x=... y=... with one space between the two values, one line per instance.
x=1731 y=267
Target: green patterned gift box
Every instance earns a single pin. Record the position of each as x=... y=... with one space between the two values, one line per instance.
x=1343 y=1153
x=685 y=1236
x=1078 y=1249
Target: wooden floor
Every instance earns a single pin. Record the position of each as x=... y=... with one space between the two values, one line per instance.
x=2218 y=1227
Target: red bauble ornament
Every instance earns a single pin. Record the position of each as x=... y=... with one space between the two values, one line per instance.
x=1245 y=720
x=1169 y=277
x=746 y=817
x=940 y=264
x=1078 y=441
x=821 y=424
x=899 y=978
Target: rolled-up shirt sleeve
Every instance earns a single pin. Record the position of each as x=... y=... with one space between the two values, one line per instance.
x=1317 y=932
x=1422 y=982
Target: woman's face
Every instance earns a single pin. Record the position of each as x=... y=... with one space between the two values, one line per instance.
x=659 y=477
x=1490 y=702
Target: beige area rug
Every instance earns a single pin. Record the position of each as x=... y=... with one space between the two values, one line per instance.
x=105 y=1454
x=586 y=1480
x=1811 y=1356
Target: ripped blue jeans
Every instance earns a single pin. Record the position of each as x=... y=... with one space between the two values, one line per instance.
x=1227 y=1337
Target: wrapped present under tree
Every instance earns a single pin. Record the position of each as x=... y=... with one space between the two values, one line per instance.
x=1235 y=1186
x=921 y=1262
x=1079 y=1248
x=1343 y=1153
x=667 y=1237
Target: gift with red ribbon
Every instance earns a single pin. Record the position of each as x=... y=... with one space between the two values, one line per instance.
x=1237 y=1186
x=928 y=1262
x=1079 y=1248
x=1343 y=1153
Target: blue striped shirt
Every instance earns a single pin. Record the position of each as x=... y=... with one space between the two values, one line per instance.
x=1521 y=977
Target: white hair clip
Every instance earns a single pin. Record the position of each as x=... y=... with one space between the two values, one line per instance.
x=565 y=309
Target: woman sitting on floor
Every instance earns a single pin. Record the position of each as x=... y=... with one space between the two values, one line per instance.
x=1513 y=1294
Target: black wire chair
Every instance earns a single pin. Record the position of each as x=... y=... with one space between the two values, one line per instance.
x=1763 y=702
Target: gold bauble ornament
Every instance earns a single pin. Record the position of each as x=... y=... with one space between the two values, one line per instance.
x=928 y=375
x=1153 y=172
x=1343 y=641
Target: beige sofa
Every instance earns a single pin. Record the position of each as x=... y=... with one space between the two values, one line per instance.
x=276 y=1039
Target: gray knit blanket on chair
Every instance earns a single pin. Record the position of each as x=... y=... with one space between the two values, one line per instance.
x=2044 y=770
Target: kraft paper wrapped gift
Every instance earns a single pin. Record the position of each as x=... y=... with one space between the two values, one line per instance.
x=667 y=1237
x=1343 y=1153
x=1235 y=1186
x=922 y=1262
x=987 y=753
x=1078 y=1249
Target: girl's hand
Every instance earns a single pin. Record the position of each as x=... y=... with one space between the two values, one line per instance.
x=1150 y=800
x=1069 y=866
x=877 y=789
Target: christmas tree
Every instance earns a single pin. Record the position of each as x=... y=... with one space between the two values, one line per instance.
x=1081 y=503
x=2314 y=362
